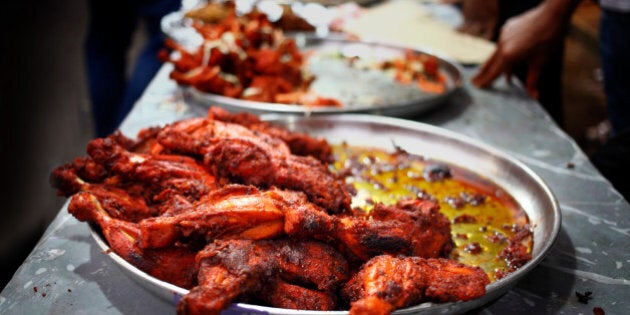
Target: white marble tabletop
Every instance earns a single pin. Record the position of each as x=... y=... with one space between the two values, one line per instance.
x=66 y=273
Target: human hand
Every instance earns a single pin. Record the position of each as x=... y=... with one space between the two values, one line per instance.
x=528 y=38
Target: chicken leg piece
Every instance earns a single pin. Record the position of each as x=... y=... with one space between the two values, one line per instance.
x=235 y=211
x=235 y=270
x=175 y=264
x=244 y=212
x=386 y=283
x=299 y=143
x=411 y=228
x=431 y=229
x=71 y=178
x=237 y=154
x=163 y=175
x=219 y=284
x=116 y=202
x=291 y=296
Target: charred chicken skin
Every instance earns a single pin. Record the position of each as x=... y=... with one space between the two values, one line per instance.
x=309 y=271
x=241 y=212
x=413 y=227
x=299 y=144
x=114 y=201
x=237 y=154
x=287 y=295
x=431 y=229
x=386 y=283
x=175 y=264
x=164 y=175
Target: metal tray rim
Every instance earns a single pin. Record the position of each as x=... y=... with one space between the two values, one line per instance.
x=403 y=108
x=493 y=290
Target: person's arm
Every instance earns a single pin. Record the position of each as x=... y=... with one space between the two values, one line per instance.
x=528 y=37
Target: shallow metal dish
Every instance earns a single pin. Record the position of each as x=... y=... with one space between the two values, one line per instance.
x=359 y=91
x=432 y=142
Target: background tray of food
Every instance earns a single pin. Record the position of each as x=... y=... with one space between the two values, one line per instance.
x=359 y=85
x=431 y=143
x=178 y=25
x=256 y=62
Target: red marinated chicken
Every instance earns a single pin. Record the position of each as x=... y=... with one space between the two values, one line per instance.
x=163 y=175
x=386 y=283
x=431 y=229
x=244 y=212
x=299 y=144
x=174 y=264
x=238 y=154
x=239 y=269
x=291 y=296
x=412 y=227
x=239 y=210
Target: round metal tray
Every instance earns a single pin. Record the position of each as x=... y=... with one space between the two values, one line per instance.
x=527 y=189
x=359 y=90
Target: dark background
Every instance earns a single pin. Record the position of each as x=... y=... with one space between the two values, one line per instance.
x=44 y=116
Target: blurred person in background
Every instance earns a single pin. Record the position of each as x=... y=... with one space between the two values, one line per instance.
x=529 y=36
x=532 y=40
x=613 y=158
x=111 y=27
x=614 y=47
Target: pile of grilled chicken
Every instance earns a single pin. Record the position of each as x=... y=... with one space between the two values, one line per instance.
x=238 y=210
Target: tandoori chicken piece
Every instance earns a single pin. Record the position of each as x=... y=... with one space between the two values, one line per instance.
x=115 y=201
x=145 y=142
x=291 y=296
x=386 y=283
x=235 y=212
x=163 y=175
x=218 y=285
x=431 y=229
x=232 y=270
x=450 y=280
x=70 y=178
x=157 y=183
x=290 y=172
x=118 y=203
x=123 y=200
x=237 y=154
x=363 y=238
x=245 y=212
x=175 y=264
x=411 y=227
x=299 y=143
x=309 y=263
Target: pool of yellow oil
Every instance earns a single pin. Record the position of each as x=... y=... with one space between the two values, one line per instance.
x=379 y=176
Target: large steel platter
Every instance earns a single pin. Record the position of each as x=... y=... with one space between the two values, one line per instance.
x=359 y=90
x=527 y=188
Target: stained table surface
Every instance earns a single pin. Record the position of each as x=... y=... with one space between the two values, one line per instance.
x=66 y=273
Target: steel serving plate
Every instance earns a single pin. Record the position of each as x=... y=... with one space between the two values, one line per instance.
x=436 y=143
x=358 y=89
